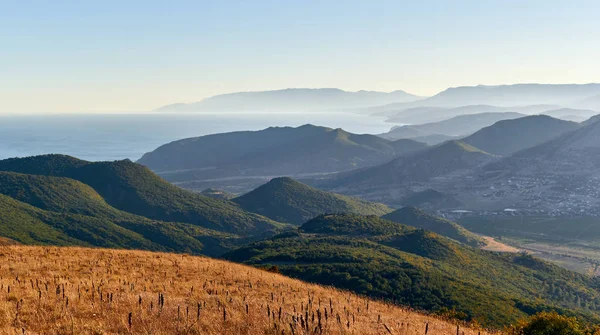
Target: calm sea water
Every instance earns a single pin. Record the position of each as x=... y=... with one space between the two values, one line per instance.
x=113 y=137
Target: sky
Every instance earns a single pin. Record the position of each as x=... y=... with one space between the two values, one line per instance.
x=122 y=56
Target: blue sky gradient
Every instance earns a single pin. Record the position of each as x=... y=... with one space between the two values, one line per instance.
x=101 y=56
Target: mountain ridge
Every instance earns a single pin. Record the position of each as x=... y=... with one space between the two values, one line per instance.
x=286 y=200
x=135 y=189
x=302 y=99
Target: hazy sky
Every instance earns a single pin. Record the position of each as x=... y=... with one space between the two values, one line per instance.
x=101 y=56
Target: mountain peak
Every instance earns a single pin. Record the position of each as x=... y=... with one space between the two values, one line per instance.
x=506 y=137
x=284 y=199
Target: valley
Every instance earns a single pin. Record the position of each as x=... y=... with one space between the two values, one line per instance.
x=489 y=226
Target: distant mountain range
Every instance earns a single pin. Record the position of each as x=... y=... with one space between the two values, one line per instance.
x=450 y=158
x=507 y=137
x=272 y=152
x=291 y=100
x=480 y=170
x=571 y=114
x=572 y=153
x=461 y=125
x=584 y=96
x=420 y=115
x=513 y=95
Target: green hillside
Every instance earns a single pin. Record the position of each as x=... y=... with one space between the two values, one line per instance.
x=30 y=225
x=414 y=217
x=135 y=189
x=62 y=211
x=287 y=200
x=423 y=270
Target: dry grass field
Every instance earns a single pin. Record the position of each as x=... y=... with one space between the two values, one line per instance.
x=49 y=290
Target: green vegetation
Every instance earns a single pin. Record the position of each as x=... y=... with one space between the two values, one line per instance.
x=387 y=260
x=287 y=200
x=276 y=151
x=420 y=219
x=27 y=224
x=355 y=225
x=551 y=323
x=133 y=188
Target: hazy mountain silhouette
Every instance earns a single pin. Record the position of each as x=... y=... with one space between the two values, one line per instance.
x=290 y=100
x=513 y=95
x=571 y=114
x=450 y=158
x=420 y=115
x=572 y=153
x=456 y=126
x=506 y=137
x=273 y=151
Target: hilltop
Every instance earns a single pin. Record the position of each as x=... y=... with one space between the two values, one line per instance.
x=506 y=137
x=572 y=153
x=452 y=157
x=461 y=125
x=86 y=291
x=287 y=200
x=410 y=266
x=417 y=218
x=275 y=150
x=133 y=188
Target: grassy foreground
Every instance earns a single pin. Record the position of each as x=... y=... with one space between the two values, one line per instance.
x=67 y=290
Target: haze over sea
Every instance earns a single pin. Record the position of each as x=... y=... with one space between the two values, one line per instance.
x=98 y=137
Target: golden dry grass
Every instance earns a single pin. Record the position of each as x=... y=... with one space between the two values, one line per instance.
x=49 y=290
x=493 y=245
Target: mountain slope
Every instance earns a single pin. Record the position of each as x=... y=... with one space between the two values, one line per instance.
x=417 y=218
x=419 y=114
x=29 y=225
x=293 y=99
x=571 y=114
x=509 y=136
x=135 y=189
x=55 y=210
x=572 y=153
x=511 y=95
x=449 y=158
x=455 y=126
x=272 y=152
x=421 y=269
x=286 y=200
x=201 y=296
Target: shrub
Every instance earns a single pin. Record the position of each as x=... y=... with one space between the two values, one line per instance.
x=548 y=323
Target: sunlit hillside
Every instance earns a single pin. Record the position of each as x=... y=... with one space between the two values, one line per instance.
x=50 y=290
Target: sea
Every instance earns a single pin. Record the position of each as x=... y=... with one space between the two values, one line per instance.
x=109 y=137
